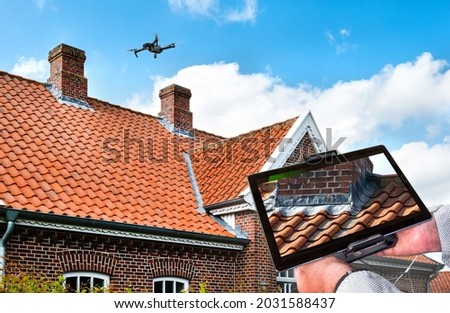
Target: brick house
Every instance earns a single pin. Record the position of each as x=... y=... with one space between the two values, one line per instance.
x=110 y=197
x=100 y=193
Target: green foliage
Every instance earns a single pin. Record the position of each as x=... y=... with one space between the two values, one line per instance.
x=203 y=287
x=95 y=289
x=128 y=288
x=22 y=280
x=31 y=283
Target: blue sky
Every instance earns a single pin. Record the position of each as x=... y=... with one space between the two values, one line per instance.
x=376 y=72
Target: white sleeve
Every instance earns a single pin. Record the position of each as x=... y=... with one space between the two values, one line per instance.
x=442 y=217
x=365 y=282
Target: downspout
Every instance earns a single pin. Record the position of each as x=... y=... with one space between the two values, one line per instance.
x=11 y=217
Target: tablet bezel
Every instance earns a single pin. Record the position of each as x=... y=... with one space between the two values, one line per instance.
x=337 y=246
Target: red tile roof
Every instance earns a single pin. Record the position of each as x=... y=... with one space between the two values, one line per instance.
x=66 y=160
x=409 y=272
x=441 y=283
x=299 y=231
x=438 y=284
x=221 y=168
x=416 y=258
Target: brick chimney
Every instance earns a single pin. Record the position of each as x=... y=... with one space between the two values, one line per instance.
x=175 y=108
x=67 y=74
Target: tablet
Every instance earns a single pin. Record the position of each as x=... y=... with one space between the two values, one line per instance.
x=350 y=205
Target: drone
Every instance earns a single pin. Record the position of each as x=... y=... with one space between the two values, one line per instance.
x=152 y=47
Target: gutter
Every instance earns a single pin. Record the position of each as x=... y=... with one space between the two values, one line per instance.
x=11 y=217
x=38 y=219
x=226 y=203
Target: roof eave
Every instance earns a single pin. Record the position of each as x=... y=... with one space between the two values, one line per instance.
x=132 y=231
x=399 y=263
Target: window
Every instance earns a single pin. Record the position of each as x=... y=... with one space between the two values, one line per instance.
x=85 y=281
x=286 y=281
x=170 y=285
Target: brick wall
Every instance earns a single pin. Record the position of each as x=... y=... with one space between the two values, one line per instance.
x=67 y=71
x=255 y=269
x=332 y=179
x=130 y=263
x=304 y=149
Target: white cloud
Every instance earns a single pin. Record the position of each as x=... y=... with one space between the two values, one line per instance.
x=339 y=41
x=220 y=11
x=344 y=32
x=433 y=130
x=228 y=102
x=45 y=4
x=200 y=7
x=330 y=37
x=367 y=111
x=427 y=169
x=247 y=13
x=40 y=4
x=31 y=68
x=141 y=102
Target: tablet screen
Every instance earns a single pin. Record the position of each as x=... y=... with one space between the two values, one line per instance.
x=332 y=201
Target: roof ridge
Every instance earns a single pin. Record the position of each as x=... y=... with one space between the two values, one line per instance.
x=104 y=102
x=209 y=133
x=44 y=84
x=267 y=127
x=118 y=106
x=224 y=141
x=22 y=77
x=146 y=114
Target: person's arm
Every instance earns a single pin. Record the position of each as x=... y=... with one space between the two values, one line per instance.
x=431 y=236
x=442 y=217
x=322 y=275
x=331 y=274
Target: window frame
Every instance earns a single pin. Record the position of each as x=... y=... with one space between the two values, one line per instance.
x=286 y=281
x=91 y=275
x=174 y=280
